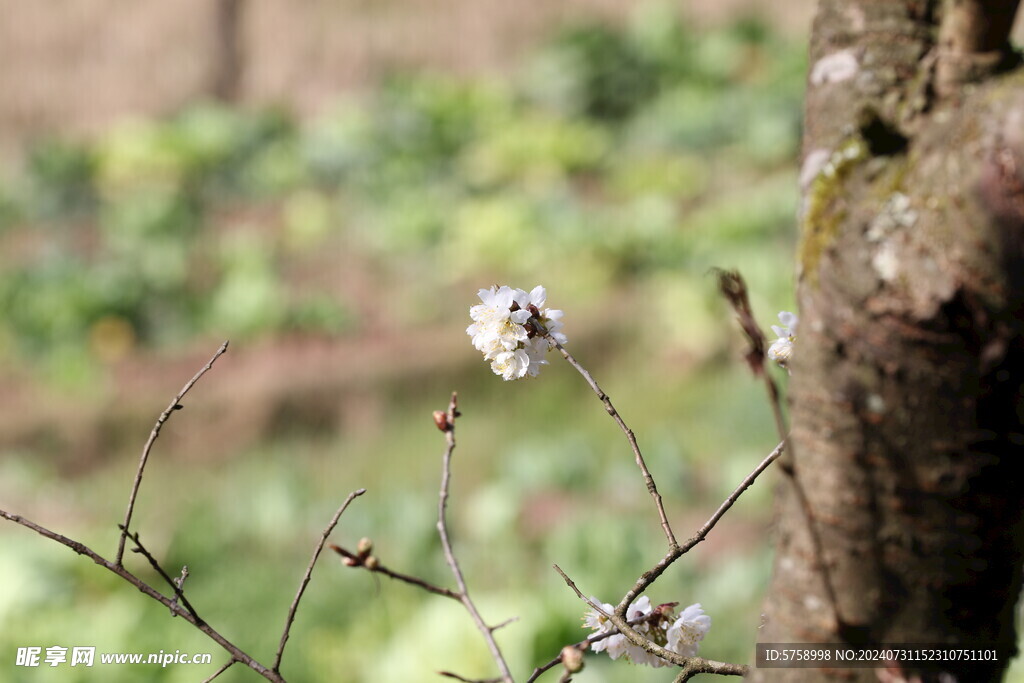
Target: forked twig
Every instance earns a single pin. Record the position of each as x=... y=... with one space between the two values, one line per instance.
x=648 y=577
x=309 y=572
x=175 y=585
x=144 y=587
x=184 y=609
x=449 y=554
x=164 y=416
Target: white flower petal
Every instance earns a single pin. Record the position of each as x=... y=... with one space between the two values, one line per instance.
x=510 y=364
x=501 y=333
x=781 y=351
x=617 y=646
x=686 y=633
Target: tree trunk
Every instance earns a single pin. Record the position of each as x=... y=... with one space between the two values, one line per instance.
x=900 y=516
x=226 y=76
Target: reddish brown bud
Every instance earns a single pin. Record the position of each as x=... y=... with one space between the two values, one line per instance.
x=441 y=420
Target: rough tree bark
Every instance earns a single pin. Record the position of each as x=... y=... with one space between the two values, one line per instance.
x=900 y=516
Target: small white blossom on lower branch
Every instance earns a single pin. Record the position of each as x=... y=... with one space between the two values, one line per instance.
x=781 y=350
x=514 y=331
x=681 y=635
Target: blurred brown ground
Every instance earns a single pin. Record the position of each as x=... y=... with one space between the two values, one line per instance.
x=74 y=66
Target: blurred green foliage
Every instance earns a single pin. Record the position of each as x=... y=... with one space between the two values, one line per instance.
x=616 y=168
x=615 y=153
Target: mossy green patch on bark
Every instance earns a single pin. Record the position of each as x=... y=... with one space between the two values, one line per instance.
x=824 y=212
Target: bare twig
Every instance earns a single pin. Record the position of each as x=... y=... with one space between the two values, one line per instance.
x=734 y=288
x=378 y=568
x=449 y=554
x=164 y=416
x=218 y=672
x=179 y=583
x=174 y=584
x=510 y=620
x=309 y=572
x=118 y=568
x=648 y=479
x=696 y=664
x=449 y=674
x=648 y=577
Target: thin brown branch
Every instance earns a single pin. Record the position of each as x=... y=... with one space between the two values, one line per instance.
x=510 y=620
x=652 y=488
x=179 y=583
x=734 y=289
x=309 y=573
x=697 y=664
x=449 y=674
x=218 y=672
x=648 y=577
x=354 y=560
x=164 y=416
x=175 y=585
x=118 y=568
x=449 y=554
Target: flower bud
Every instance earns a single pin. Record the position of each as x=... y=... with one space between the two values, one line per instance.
x=572 y=659
x=364 y=548
x=350 y=561
x=371 y=562
x=441 y=420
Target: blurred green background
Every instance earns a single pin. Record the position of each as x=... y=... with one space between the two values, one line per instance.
x=615 y=164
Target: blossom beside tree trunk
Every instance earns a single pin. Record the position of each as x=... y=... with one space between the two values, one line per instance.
x=899 y=520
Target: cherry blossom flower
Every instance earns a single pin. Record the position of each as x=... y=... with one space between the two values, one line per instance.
x=681 y=635
x=514 y=331
x=685 y=634
x=781 y=350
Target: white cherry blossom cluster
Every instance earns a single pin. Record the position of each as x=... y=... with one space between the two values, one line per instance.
x=681 y=635
x=781 y=349
x=514 y=331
